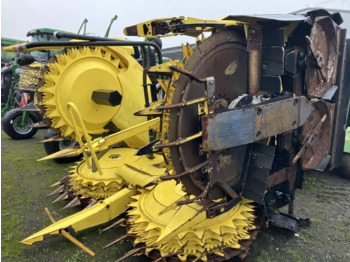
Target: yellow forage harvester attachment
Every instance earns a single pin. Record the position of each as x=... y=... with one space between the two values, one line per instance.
x=158 y=223
x=213 y=176
x=83 y=75
x=109 y=181
x=104 y=82
x=95 y=177
x=221 y=108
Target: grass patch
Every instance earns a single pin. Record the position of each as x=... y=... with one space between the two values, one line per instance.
x=295 y=255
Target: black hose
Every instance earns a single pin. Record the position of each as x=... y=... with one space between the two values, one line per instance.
x=60 y=35
x=95 y=43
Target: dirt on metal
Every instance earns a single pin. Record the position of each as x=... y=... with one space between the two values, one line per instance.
x=325 y=199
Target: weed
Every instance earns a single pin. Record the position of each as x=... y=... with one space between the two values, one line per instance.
x=77 y=256
x=294 y=253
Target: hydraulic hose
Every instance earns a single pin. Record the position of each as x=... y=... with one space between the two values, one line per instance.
x=33 y=46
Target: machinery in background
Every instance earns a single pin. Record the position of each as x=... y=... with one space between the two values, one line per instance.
x=18 y=79
x=257 y=103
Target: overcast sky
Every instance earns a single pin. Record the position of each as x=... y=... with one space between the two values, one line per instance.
x=20 y=16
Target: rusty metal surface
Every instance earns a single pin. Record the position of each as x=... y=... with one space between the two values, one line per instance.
x=254 y=45
x=254 y=71
x=323 y=57
x=247 y=125
x=285 y=174
x=41 y=124
x=224 y=57
x=321 y=142
x=182 y=104
x=30 y=107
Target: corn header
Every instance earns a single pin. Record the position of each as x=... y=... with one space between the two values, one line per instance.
x=244 y=114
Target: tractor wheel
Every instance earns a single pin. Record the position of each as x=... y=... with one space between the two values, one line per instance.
x=345 y=166
x=55 y=146
x=11 y=124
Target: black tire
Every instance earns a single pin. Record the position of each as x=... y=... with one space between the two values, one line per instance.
x=53 y=147
x=344 y=169
x=11 y=121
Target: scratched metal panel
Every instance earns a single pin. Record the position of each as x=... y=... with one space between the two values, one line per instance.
x=239 y=127
x=228 y=129
x=279 y=117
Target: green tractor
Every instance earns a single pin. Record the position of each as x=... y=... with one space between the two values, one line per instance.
x=345 y=167
x=15 y=88
x=8 y=57
x=19 y=78
x=8 y=77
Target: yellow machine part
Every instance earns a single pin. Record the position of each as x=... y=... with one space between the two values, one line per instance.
x=160 y=224
x=120 y=167
x=155 y=219
x=102 y=212
x=146 y=29
x=128 y=49
x=78 y=72
x=122 y=171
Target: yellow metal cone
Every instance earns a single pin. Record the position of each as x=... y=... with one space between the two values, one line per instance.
x=68 y=152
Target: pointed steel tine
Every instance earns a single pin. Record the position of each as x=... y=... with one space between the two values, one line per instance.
x=114 y=224
x=226 y=256
x=58 y=190
x=60 y=182
x=199 y=258
x=75 y=202
x=91 y=204
x=64 y=180
x=152 y=183
x=55 y=184
x=62 y=197
x=116 y=241
x=159 y=259
x=130 y=253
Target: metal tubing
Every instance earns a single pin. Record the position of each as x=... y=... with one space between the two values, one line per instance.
x=96 y=41
x=254 y=71
x=75 y=111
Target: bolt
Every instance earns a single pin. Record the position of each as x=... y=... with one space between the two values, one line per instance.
x=259 y=112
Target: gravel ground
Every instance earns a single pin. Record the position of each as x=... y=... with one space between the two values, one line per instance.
x=325 y=199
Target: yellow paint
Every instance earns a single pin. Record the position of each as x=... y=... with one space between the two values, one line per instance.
x=186 y=227
x=120 y=167
x=104 y=143
x=182 y=20
x=100 y=213
x=80 y=71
